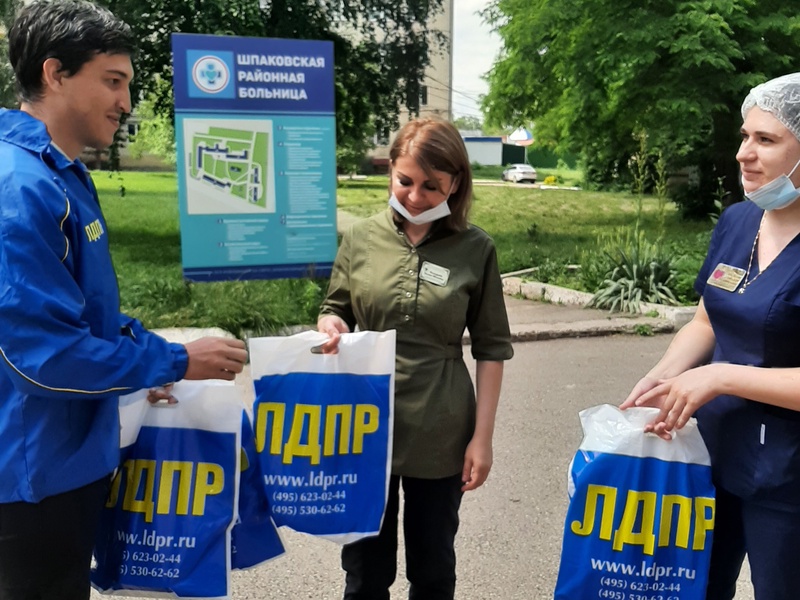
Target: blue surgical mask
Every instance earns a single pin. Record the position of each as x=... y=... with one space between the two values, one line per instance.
x=778 y=193
x=426 y=216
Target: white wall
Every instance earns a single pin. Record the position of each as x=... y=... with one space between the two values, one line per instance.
x=487 y=151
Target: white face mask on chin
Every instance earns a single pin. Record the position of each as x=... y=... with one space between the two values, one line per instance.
x=426 y=216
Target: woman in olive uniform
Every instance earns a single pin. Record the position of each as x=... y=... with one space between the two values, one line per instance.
x=421 y=269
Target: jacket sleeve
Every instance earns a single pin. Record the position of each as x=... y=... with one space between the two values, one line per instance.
x=487 y=319
x=338 y=300
x=52 y=344
x=134 y=329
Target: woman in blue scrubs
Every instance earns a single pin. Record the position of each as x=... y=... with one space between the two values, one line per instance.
x=736 y=365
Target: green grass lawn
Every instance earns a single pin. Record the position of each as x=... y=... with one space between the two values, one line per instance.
x=145 y=245
x=531 y=227
x=567 y=177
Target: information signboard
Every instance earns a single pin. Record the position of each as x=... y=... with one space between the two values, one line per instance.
x=256 y=144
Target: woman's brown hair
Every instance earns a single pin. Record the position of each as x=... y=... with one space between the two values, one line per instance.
x=436 y=145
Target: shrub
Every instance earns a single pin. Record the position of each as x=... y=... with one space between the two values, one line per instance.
x=244 y=308
x=595 y=267
x=554 y=272
x=641 y=272
x=700 y=197
x=690 y=255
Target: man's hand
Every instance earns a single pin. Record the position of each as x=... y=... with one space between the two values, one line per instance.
x=164 y=392
x=215 y=358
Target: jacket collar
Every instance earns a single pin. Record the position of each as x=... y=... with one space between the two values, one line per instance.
x=23 y=130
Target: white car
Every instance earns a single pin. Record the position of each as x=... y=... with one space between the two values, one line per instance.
x=519 y=173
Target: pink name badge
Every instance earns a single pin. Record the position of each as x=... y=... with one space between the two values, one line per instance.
x=726 y=277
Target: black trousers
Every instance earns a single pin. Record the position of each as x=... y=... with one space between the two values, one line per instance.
x=46 y=548
x=430 y=523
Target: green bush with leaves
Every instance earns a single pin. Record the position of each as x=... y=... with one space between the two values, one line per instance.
x=595 y=267
x=556 y=273
x=690 y=254
x=245 y=308
x=639 y=271
x=156 y=133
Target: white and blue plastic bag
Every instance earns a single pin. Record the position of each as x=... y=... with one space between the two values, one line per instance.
x=165 y=531
x=323 y=428
x=254 y=538
x=641 y=514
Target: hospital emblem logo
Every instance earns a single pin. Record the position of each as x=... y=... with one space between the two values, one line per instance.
x=210 y=75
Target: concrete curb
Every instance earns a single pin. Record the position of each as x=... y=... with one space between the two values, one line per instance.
x=184 y=335
x=668 y=319
x=676 y=316
x=590 y=328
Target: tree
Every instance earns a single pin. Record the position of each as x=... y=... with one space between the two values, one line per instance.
x=8 y=95
x=596 y=75
x=381 y=48
x=350 y=153
x=156 y=134
x=468 y=123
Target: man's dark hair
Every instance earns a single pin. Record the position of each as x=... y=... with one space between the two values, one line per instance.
x=72 y=31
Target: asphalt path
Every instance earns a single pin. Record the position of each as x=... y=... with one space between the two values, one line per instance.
x=510 y=538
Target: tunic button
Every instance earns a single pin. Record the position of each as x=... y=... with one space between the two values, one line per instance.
x=411 y=271
x=413 y=250
x=407 y=318
x=408 y=294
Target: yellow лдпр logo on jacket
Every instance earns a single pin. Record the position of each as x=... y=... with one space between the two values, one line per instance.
x=94 y=230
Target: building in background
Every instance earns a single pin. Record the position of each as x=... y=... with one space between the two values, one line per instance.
x=436 y=94
x=486 y=151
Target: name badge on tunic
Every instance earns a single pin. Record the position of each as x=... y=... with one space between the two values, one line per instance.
x=434 y=274
x=726 y=277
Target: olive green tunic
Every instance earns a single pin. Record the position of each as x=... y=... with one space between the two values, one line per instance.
x=376 y=284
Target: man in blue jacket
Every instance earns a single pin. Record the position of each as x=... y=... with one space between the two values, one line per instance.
x=66 y=351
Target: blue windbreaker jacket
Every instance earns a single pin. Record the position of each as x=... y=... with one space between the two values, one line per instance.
x=66 y=352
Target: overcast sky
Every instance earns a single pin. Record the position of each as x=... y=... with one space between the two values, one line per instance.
x=475 y=49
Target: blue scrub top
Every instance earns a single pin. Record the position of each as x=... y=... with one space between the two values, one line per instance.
x=755 y=448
